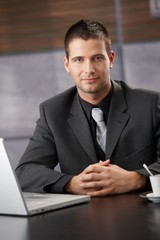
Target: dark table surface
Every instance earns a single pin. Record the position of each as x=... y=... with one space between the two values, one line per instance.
x=118 y=217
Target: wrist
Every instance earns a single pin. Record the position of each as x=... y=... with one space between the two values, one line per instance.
x=138 y=180
x=69 y=186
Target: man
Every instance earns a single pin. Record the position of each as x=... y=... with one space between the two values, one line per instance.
x=66 y=131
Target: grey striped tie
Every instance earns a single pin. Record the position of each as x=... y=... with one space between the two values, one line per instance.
x=101 y=129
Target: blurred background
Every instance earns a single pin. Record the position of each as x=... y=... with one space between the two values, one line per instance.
x=31 y=54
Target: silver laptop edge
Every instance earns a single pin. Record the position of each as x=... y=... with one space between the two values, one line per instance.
x=12 y=201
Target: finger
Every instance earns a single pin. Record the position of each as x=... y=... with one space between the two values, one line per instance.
x=104 y=163
x=91 y=177
x=99 y=192
x=94 y=184
x=96 y=168
x=90 y=186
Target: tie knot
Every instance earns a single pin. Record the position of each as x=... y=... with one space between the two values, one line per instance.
x=97 y=114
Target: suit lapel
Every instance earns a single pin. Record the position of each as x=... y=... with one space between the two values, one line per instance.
x=80 y=127
x=117 y=119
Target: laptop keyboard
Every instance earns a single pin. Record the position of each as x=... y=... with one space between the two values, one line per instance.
x=37 y=203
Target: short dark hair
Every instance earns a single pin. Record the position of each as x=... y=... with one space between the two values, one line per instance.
x=86 y=29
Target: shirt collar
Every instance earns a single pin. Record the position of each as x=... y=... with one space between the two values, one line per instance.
x=104 y=105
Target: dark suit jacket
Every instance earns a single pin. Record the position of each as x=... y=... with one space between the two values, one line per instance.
x=63 y=136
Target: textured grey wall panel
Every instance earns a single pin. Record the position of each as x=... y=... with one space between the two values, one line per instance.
x=25 y=81
x=142 y=65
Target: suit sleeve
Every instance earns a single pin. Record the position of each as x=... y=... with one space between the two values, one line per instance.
x=35 y=171
x=155 y=166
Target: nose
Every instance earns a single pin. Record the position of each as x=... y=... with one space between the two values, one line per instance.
x=89 y=67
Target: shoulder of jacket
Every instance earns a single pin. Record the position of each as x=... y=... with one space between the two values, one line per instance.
x=126 y=87
x=61 y=97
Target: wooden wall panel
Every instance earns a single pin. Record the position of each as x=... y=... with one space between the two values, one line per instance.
x=33 y=25
x=137 y=22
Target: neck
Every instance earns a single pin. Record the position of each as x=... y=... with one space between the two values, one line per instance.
x=95 y=98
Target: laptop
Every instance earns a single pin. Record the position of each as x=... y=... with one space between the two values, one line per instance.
x=15 y=202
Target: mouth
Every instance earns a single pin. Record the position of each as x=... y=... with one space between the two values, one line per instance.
x=90 y=80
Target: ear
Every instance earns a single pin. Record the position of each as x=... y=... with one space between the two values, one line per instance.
x=66 y=63
x=111 y=58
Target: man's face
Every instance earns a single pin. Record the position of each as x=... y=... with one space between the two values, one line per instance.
x=89 y=66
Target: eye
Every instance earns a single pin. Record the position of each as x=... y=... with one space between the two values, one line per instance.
x=78 y=59
x=99 y=58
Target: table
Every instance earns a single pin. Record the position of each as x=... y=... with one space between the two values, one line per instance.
x=117 y=217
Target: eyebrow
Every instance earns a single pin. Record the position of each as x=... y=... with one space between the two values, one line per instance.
x=99 y=54
x=95 y=55
x=74 y=58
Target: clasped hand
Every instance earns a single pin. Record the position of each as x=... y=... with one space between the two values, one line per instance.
x=103 y=178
